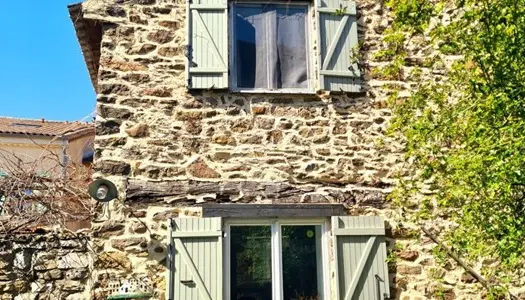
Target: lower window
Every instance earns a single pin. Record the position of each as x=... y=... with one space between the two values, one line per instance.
x=277 y=260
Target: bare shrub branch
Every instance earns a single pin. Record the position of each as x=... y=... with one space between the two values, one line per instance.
x=34 y=191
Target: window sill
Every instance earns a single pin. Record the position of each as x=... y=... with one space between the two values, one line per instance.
x=281 y=91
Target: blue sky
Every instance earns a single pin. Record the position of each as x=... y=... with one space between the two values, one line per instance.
x=42 y=72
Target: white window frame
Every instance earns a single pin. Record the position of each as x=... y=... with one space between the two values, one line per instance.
x=309 y=50
x=277 y=278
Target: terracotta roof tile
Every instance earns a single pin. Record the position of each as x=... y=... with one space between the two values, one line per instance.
x=45 y=128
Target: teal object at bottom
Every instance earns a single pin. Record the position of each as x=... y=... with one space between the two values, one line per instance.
x=130 y=296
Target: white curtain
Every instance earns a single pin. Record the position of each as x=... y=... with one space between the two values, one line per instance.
x=271 y=47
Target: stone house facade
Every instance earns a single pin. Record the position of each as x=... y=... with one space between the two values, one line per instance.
x=181 y=138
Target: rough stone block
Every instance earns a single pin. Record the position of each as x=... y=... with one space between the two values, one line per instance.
x=125 y=243
x=73 y=261
x=51 y=275
x=44 y=261
x=113 y=260
x=161 y=36
x=141 y=49
x=170 y=24
x=77 y=296
x=76 y=274
x=409 y=270
x=107 y=127
x=117 y=89
x=108 y=229
x=138 y=227
x=200 y=168
x=137 y=130
x=73 y=244
x=162 y=92
x=112 y=167
x=165 y=215
x=70 y=286
x=408 y=255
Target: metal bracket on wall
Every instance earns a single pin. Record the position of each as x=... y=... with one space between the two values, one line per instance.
x=187 y=51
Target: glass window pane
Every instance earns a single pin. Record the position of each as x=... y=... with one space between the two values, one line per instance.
x=291 y=47
x=251 y=263
x=301 y=257
x=251 y=47
x=270 y=46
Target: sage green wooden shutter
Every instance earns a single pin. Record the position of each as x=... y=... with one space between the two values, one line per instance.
x=207 y=51
x=338 y=39
x=362 y=271
x=197 y=259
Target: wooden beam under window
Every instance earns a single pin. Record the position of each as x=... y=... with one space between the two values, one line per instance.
x=272 y=210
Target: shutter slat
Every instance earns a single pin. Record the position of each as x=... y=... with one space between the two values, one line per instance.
x=359 y=231
x=335 y=42
x=350 y=11
x=338 y=37
x=365 y=256
x=198 y=259
x=186 y=258
x=361 y=272
x=207 y=66
x=211 y=39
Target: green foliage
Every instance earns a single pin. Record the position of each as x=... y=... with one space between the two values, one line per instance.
x=440 y=255
x=395 y=46
x=391 y=71
x=412 y=14
x=435 y=273
x=356 y=57
x=340 y=11
x=465 y=135
x=415 y=74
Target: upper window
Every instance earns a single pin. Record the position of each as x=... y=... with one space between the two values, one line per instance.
x=270 y=46
x=267 y=47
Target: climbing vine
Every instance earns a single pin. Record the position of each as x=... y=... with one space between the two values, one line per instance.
x=464 y=127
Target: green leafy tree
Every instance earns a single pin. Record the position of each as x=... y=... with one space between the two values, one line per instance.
x=465 y=133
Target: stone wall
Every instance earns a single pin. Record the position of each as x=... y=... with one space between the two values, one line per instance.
x=170 y=150
x=50 y=266
x=151 y=127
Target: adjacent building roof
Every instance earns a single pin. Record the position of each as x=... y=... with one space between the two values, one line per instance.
x=89 y=34
x=43 y=127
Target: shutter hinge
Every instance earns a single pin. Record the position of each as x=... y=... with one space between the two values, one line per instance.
x=187 y=51
x=189 y=1
x=189 y=82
